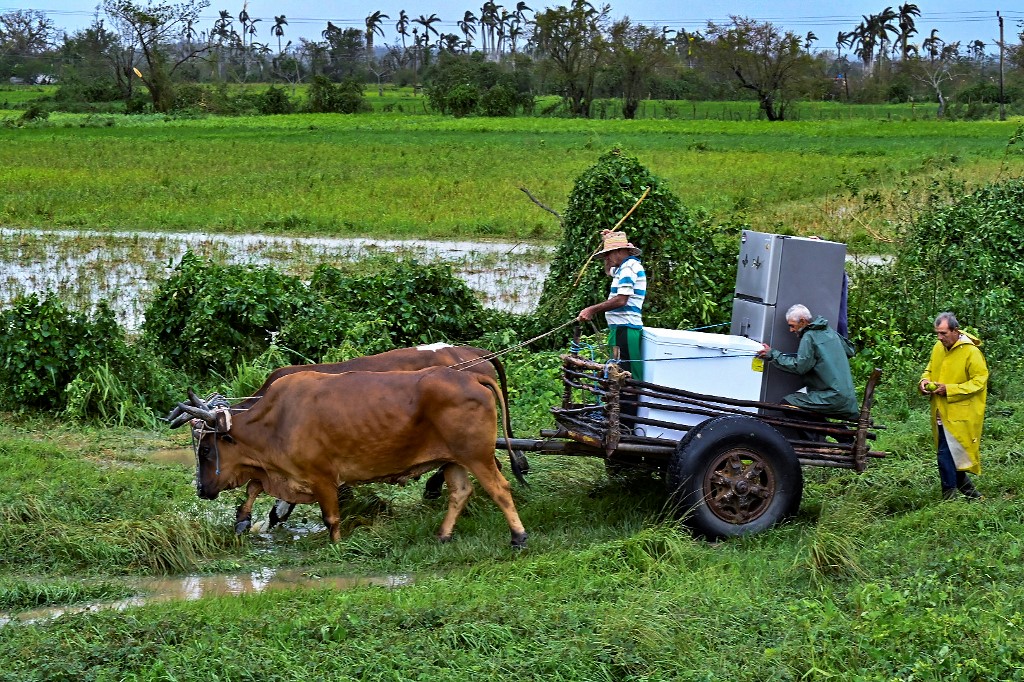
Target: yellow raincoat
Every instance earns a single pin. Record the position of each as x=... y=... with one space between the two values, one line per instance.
x=963 y=370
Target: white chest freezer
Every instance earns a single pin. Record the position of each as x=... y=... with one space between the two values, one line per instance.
x=720 y=365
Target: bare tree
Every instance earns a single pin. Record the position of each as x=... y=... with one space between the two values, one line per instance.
x=761 y=57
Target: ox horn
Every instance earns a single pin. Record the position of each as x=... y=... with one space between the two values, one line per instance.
x=195 y=400
x=182 y=418
x=206 y=415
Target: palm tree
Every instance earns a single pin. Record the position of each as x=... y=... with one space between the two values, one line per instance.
x=865 y=38
x=278 y=30
x=468 y=26
x=331 y=32
x=883 y=27
x=808 y=39
x=428 y=25
x=373 y=23
x=933 y=45
x=907 y=28
x=844 y=39
x=977 y=49
x=402 y=26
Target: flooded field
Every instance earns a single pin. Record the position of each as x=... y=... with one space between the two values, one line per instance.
x=83 y=267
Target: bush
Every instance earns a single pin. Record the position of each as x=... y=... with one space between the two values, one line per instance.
x=688 y=281
x=208 y=317
x=966 y=257
x=275 y=101
x=418 y=303
x=44 y=348
x=344 y=98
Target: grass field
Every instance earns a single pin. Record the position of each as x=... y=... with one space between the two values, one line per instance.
x=427 y=176
x=876 y=578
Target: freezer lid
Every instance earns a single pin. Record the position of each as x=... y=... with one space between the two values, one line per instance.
x=655 y=337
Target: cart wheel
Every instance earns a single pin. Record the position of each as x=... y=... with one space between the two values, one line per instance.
x=734 y=475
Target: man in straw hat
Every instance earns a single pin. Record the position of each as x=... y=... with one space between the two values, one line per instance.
x=626 y=298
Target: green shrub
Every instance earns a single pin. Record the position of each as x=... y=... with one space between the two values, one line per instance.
x=208 y=317
x=275 y=101
x=45 y=348
x=966 y=257
x=326 y=97
x=419 y=303
x=688 y=280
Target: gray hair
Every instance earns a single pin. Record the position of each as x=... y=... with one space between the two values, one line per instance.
x=798 y=312
x=948 y=318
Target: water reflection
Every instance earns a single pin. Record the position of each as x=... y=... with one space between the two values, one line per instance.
x=193 y=587
x=124 y=267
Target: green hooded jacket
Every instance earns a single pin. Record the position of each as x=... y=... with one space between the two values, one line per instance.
x=823 y=361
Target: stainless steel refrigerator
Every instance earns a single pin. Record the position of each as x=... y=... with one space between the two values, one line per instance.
x=775 y=272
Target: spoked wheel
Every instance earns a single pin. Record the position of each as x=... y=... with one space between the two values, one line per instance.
x=734 y=475
x=739 y=485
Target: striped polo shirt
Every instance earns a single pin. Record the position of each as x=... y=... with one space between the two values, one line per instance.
x=630 y=279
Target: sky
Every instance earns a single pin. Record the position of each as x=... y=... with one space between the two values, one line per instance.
x=955 y=19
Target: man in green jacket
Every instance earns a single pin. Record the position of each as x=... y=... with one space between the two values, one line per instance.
x=822 y=359
x=956 y=381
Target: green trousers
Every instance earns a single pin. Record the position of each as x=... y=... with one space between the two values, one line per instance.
x=629 y=340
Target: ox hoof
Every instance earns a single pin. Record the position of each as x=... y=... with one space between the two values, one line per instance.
x=444 y=539
x=521 y=461
x=519 y=541
x=242 y=526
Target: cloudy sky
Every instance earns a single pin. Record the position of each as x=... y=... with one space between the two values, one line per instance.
x=954 y=19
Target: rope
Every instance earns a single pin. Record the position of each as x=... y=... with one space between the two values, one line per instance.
x=708 y=326
x=466 y=364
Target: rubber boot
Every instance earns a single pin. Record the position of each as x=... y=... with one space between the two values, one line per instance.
x=948 y=493
x=967 y=488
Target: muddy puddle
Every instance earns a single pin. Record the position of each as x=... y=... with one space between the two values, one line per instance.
x=124 y=268
x=189 y=588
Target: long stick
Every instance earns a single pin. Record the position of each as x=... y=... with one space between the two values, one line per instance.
x=647 y=190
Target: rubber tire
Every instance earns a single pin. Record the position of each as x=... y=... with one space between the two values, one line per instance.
x=704 y=445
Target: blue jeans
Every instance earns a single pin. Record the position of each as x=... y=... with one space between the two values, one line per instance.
x=948 y=475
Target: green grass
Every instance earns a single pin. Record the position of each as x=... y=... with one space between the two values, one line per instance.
x=428 y=176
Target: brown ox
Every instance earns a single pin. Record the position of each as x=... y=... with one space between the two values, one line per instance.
x=312 y=432
x=465 y=358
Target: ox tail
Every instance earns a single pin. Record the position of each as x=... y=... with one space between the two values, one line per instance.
x=499 y=369
x=493 y=387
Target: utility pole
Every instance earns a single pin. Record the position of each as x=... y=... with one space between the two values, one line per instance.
x=1002 y=106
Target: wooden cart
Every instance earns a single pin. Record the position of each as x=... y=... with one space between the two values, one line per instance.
x=738 y=471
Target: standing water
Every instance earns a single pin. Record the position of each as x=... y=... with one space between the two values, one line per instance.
x=124 y=268
x=194 y=587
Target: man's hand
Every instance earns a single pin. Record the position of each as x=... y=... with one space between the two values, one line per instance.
x=765 y=350
x=585 y=314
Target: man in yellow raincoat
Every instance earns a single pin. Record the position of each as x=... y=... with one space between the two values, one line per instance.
x=956 y=380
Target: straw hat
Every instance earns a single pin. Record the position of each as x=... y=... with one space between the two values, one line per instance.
x=613 y=241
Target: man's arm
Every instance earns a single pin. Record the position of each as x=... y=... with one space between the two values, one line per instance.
x=801 y=363
x=604 y=306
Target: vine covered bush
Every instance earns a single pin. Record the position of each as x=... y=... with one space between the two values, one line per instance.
x=689 y=277
x=45 y=347
x=208 y=317
x=966 y=257
x=418 y=303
